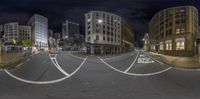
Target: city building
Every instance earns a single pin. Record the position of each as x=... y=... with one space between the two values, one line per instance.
x=11 y=33
x=39 y=25
x=50 y=33
x=1 y=33
x=146 y=42
x=71 y=34
x=173 y=31
x=70 y=30
x=127 y=36
x=24 y=32
x=1 y=28
x=104 y=33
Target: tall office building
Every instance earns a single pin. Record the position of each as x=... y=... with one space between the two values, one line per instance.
x=1 y=31
x=103 y=32
x=24 y=32
x=1 y=28
x=70 y=30
x=173 y=31
x=71 y=34
x=50 y=33
x=11 y=33
x=39 y=25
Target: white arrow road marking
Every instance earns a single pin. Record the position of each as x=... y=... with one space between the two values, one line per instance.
x=134 y=74
x=45 y=82
x=55 y=62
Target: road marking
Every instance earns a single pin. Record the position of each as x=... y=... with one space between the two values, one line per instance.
x=19 y=65
x=28 y=60
x=131 y=54
x=55 y=62
x=75 y=56
x=45 y=82
x=109 y=58
x=132 y=63
x=135 y=74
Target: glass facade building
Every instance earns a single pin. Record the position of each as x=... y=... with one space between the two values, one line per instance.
x=39 y=25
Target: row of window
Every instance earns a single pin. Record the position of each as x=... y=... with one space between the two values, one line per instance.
x=180 y=44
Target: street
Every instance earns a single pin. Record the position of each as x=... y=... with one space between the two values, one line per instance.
x=69 y=75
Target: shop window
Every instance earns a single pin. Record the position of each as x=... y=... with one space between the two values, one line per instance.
x=168 y=45
x=161 y=46
x=180 y=44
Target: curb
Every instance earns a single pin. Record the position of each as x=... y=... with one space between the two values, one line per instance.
x=178 y=67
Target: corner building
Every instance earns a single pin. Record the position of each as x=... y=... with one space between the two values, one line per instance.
x=173 y=31
x=103 y=32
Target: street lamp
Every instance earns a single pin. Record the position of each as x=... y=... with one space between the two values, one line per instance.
x=100 y=21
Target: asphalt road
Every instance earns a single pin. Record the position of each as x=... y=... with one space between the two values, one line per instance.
x=67 y=75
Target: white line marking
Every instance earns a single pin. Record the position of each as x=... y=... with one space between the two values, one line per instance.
x=75 y=56
x=134 y=74
x=132 y=63
x=55 y=62
x=45 y=82
x=156 y=60
x=109 y=58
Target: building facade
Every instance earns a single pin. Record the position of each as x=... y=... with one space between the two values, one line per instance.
x=71 y=34
x=1 y=33
x=173 y=31
x=103 y=32
x=127 y=37
x=70 y=30
x=146 y=42
x=11 y=33
x=39 y=25
x=24 y=32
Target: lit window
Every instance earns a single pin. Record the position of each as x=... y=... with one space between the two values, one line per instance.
x=161 y=46
x=177 y=30
x=180 y=44
x=97 y=37
x=168 y=44
x=153 y=47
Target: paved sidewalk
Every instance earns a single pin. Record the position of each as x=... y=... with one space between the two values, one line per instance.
x=177 y=61
x=9 y=60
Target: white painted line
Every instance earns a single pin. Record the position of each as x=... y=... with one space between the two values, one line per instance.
x=35 y=82
x=134 y=74
x=150 y=74
x=45 y=82
x=156 y=60
x=132 y=63
x=109 y=58
x=75 y=56
x=55 y=62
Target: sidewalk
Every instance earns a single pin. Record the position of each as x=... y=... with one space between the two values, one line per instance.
x=177 y=61
x=9 y=60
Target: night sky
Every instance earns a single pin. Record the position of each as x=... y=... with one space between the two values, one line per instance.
x=136 y=12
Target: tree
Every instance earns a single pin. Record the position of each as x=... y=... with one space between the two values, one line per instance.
x=57 y=36
x=27 y=43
